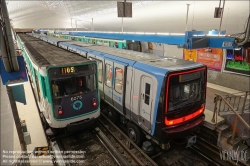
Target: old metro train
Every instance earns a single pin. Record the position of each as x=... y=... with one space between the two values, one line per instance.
x=66 y=91
x=161 y=97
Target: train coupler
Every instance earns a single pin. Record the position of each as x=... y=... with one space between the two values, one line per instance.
x=165 y=146
x=191 y=140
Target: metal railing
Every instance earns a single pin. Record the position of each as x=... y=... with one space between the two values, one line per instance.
x=239 y=101
x=220 y=99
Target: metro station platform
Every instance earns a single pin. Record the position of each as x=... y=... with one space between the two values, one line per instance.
x=29 y=113
x=213 y=89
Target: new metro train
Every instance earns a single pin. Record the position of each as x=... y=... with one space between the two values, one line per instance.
x=163 y=98
x=66 y=90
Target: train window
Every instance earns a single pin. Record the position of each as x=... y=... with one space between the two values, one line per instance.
x=147 y=94
x=118 y=80
x=44 y=87
x=99 y=71
x=108 y=71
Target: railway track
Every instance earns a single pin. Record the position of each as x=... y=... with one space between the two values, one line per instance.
x=104 y=144
x=93 y=147
x=129 y=150
x=208 y=149
x=178 y=155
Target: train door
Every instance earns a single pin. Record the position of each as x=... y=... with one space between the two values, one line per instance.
x=108 y=81
x=100 y=69
x=37 y=86
x=114 y=87
x=100 y=75
x=119 y=86
x=146 y=102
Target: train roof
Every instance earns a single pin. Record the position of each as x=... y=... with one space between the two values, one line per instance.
x=44 y=54
x=54 y=38
x=139 y=60
x=165 y=62
x=77 y=43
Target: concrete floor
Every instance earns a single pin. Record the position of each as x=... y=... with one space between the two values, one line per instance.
x=29 y=113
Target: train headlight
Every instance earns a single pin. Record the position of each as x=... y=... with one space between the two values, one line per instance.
x=94 y=102
x=171 y=122
x=60 y=111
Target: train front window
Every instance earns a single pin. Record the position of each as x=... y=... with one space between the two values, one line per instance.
x=185 y=90
x=72 y=86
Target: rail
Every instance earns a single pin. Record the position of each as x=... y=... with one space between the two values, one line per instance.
x=220 y=99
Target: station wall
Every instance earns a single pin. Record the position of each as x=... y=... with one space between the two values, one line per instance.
x=228 y=68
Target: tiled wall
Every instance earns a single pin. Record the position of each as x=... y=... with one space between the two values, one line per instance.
x=229 y=80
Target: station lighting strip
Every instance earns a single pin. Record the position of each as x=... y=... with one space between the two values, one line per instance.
x=144 y=33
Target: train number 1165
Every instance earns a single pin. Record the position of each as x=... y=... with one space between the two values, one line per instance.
x=67 y=70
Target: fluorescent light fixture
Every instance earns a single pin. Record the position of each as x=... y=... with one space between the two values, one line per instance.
x=178 y=34
x=238 y=48
x=215 y=35
x=162 y=33
x=15 y=82
x=150 y=33
x=198 y=35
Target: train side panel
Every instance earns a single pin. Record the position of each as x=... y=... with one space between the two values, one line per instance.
x=128 y=92
x=39 y=83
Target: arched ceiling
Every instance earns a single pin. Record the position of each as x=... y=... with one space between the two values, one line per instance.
x=148 y=16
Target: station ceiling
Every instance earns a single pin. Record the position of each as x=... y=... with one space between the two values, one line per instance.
x=148 y=16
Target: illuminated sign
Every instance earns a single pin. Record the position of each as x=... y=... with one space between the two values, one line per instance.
x=67 y=70
x=189 y=77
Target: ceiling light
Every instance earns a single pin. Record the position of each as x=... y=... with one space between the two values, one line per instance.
x=162 y=33
x=15 y=82
x=148 y=33
x=177 y=34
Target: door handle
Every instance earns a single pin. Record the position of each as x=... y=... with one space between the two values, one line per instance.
x=143 y=96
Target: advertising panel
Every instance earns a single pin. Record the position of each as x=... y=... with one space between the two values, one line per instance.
x=190 y=55
x=211 y=57
x=238 y=60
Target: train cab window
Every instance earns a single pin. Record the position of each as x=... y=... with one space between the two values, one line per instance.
x=108 y=71
x=147 y=94
x=99 y=71
x=44 y=87
x=73 y=85
x=185 y=93
x=118 y=80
